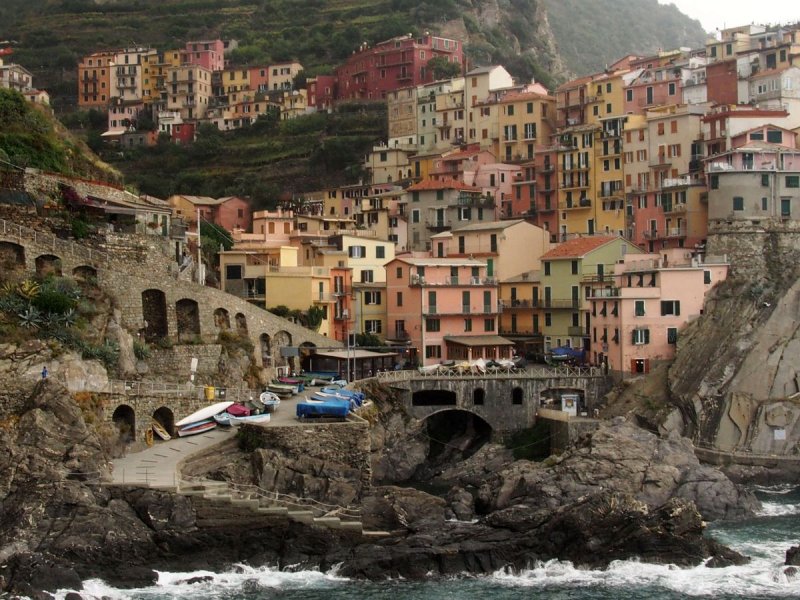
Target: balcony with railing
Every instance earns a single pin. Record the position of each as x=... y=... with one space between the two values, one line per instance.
x=516 y=331
x=581 y=204
x=577 y=332
x=478 y=309
x=437 y=224
x=573 y=304
x=451 y=281
x=607 y=292
x=508 y=305
x=674 y=208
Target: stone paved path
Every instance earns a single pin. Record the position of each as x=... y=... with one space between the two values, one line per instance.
x=157 y=466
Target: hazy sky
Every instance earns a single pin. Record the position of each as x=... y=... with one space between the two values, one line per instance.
x=715 y=14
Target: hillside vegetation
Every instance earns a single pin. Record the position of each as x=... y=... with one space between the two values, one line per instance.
x=31 y=137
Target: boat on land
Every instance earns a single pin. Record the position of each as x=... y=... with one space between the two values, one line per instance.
x=160 y=431
x=270 y=399
x=284 y=391
x=204 y=414
x=227 y=419
x=198 y=427
x=294 y=382
x=314 y=408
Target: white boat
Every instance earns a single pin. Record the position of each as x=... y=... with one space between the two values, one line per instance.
x=270 y=399
x=204 y=413
x=258 y=419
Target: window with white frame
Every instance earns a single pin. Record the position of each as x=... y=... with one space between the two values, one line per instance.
x=373 y=326
x=641 y=337
x=372 y=298
x=670 y=307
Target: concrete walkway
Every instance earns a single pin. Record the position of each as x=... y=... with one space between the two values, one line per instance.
x=157 y=466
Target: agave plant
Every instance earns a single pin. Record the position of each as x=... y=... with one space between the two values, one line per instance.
x=31 y=318
x=68 y=317
x=28 y=289
x=8 y=289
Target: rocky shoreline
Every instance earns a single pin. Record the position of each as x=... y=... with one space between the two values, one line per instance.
x=621 y=492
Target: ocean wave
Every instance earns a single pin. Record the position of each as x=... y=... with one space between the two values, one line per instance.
x=782 y=489
x=759 y=577
x=211 y=585
x=777 y=509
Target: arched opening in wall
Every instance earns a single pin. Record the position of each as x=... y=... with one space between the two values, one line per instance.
x=478 y=396
x=307 y=351
x=84 y=273
x=187 y=314
x=266 y=350
x=434 y=398
x=222 y=320
x=241 y=324
x=12 y=259
x=166 y=419
x=517 y=395
x=282 y=339
x=124 y=418
x=154 y=313
x=48 y=264
x=453 y=436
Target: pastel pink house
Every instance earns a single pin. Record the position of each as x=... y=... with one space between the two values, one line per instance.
x=638 y=312
x=444 y=309
x=209 y=54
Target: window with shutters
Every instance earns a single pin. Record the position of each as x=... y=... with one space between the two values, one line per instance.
x=638 y=308
x=641 y=337
x=672 y=335
x=670 y=307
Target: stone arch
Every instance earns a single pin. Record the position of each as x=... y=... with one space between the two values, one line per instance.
x=434 y=398
x=187 y=315
x=84 y=273
x=166 y=418
x=124 y=418
x=306 y=351
x=154 y=313
x=222 y=320
x=48 y=264
x=517 y=395
x=241 y=323
x=12 y=257
x=280 y=340
x=470 y=430
x=265 y=344
x=478 y=396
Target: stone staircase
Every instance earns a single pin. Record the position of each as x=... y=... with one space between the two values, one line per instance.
x=220 y=494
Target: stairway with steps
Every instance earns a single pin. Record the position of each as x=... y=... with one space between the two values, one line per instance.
x=219 y=494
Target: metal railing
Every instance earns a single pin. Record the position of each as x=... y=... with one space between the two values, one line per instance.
x=179 y=390
x=48 y=240
x=455 y=371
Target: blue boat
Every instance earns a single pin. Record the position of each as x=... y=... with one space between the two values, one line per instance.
x=323 y=408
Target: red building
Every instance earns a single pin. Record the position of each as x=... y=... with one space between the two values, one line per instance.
x=372 y=71
x=321 y=91
x=206 y=53
x=722 y=82
x=534 y=196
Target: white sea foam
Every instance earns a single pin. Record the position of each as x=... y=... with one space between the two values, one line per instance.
x=763 y=577
x=174 y=585
x=785 y=488
x=778 y=509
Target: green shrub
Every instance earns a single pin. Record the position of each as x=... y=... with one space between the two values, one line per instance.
x=107 y=353
x=54 y=301
x=141 y=350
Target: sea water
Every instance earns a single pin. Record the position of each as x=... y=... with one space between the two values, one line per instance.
x=764 y=538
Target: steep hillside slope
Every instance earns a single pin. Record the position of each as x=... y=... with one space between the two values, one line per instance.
x=548 y=39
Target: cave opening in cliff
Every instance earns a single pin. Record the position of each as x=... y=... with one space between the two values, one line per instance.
x=453 y=436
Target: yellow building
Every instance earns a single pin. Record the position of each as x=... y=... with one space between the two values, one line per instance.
x=576 y=182
x=189 y=91
x=526 y=118
x=521 y=312
x=294 y=104
x=234 y=80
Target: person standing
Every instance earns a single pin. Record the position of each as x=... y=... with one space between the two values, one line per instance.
x=44 y=372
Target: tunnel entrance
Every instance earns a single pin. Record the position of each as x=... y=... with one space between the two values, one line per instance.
x=453 y=436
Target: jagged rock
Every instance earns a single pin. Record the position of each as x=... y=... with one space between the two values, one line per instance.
x=626 y=459
x=126 y=363
x=793 y=556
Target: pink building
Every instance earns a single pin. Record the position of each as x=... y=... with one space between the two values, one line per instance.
x=230 y=212
x=271 y=229
x=209 y=54
x=654 y=86
x=373 y=71
x=444 y=309
x=638 y=312
x=496 y=180
x=462 y=164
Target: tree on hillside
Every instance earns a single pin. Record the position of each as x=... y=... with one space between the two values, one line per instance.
x=443 y=68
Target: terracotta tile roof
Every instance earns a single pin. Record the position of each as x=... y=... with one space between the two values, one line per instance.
x=445 y=183
x=577 y=247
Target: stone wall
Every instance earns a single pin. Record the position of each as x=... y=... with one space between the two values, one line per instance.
x=145 y=406
x=564 y=433
x=178 y=359
x=345 y=443
x=756 y=252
